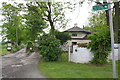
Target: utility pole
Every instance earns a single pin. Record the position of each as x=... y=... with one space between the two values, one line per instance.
x=112 y=40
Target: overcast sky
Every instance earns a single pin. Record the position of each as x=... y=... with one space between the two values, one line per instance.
x=79 y=16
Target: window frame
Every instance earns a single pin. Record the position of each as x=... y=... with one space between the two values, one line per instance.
x=74 y=34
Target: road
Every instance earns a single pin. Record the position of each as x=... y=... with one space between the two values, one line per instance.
x=20 y=65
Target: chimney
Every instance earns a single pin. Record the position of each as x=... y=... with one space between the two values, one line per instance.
x=75 y=25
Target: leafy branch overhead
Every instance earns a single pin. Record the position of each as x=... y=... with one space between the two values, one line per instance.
x=53 y=13
x=34 y=21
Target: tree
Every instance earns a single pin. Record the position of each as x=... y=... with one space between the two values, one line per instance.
x=53 y=13
x=12 y=21
x=62 y=36
x=116 y=20
x=34 y=22
x=100 y=43
x=95 y=21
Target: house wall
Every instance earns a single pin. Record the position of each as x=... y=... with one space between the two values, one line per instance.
x=69 y=42
x=78 y=41
x=79 y=34
x=65 y=47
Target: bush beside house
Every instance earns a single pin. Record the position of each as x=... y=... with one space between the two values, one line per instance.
x=100 y=45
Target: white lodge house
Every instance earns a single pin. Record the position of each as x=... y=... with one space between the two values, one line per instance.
x=78 y=35
x=79 y=54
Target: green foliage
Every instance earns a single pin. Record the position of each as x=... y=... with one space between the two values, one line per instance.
x=19 y=27
x=95 y=21
x=89 y=28
x=12 y=27
x=15 y=49
x=82 y=44
x=62 y=36
x=34 y=22
x=50 y=48
x=64 y=57
x=29 y=46
x=53 y=13
x=3 y=49
x=100 y=45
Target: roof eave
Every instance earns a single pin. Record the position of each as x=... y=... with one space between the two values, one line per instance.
x=79 y=31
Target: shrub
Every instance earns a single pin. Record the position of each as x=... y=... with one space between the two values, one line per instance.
x=28 y=46
x=82 y=44
x=100 y=45
x=15 y=49
x=64 y=57
x=50 y=48
x=62 y=36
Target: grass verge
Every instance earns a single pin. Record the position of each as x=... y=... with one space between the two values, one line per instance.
x=3 y=50
x=64 y=69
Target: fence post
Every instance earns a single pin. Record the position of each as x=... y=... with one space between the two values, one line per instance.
x=69 y=54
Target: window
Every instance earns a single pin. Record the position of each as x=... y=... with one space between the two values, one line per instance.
x=74 y=43
x=74 y=34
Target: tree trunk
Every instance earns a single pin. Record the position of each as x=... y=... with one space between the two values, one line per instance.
x=50 y=19
x=119 y=24
x=52 y=26
x=116 y=20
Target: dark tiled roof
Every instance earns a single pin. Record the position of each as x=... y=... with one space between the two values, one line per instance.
x=77 y=29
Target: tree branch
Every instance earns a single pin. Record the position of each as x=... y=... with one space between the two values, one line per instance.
x=45 y=19
x=55 y=18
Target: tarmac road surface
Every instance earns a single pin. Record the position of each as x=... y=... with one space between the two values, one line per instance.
x=20 y=65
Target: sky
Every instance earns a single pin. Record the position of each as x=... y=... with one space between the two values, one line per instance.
x=79 y=16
